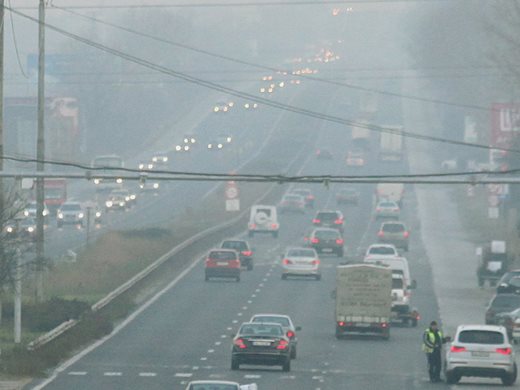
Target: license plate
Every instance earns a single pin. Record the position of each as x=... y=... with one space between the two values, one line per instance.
x=262 y=343
x=480 y=354
x=363 y=325
x=222 y=263
x=327 y=249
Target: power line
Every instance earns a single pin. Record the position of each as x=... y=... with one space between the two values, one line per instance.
x=270 y=68
x=254 y=98
x=16 y=45
x=170 y=174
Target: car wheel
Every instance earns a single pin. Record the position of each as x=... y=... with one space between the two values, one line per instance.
x=235 y=365
x=293 y=353
x=284 y=277
x=286 y=367
x=275 y=234
x=509 y=379
x=340 y=253
x=452 y=378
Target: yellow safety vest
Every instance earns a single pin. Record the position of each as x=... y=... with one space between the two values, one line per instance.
x=429 y=340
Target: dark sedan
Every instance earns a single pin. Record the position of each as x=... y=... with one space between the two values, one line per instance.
x=263 y=344
x=244 y=251
x=501 y=303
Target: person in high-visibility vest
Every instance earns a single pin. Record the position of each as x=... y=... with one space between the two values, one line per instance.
x=432 y=346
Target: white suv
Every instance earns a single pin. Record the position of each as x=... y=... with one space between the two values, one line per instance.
x=263 y=219
x=481 y=351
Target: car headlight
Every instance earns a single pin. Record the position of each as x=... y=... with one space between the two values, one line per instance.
x=216 y=109
x=141 y=185
x=80 y=215
x=26 y=213
x=132 y=197
x=109 y=203
x=9 y=229
x=119 y=180
x=231 y=104
x=262 y=90
x=98 y=214
x=246 y=105
x=282 y=84
x=60 y=215
x=225 y=109
x=45 y=212
x=154 y=159
x=178 y=148
x=127 y=198
x=186 y=148
x=30 y=229
x=192 y=141
x=150 y=166
x=186 y=140
x=228 y=139
x=210 y=146
x=220 y=146
x=155 y=185
x=122 y=204
x=141 y=166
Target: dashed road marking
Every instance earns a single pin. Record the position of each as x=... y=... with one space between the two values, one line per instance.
x=77 y=373
x=183 y=374
x=112 y=373
x=261 y=285
x=264 y=280
x=249 y=302
x=147 y=374
x=218 y=342
x=203 y=358
x=234 y=322
x=244 y=307
x=211 y=350
x=223 y=336
x=195 y=368
x=257 y=290
x=239 y=314
x=253 y=296
x=251 y=376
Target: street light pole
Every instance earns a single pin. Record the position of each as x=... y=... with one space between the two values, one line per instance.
x=40 y=155
x=18 y=300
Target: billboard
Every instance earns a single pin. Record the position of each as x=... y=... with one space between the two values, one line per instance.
x=505 y=123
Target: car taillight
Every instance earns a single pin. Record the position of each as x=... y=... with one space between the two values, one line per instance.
x=274 y=226
x=406 y=234
x=384 y=325
x=286 y=261
x=282 y=344
x=316 y=262
x=504 y=351
x=316 y=220
x=339 y=241
x=240 y=343
x=338 y=221
x=455 y=348
x=247 y=253
x=315 y=240
x=341 y=323
x=378 y=209
x=291 y=334
x=252 y=226
x=380 y=233
x=208 y=261
x=310 y=197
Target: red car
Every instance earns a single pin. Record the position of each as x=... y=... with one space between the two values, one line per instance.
x=222 y=263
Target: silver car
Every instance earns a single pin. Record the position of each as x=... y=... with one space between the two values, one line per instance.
x=287 y=325
x=219 y=385
x=301 y=262
x=387 y=209
x=70 y=213
x=481 y=351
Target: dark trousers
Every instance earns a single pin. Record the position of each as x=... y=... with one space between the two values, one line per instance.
x=434 y=364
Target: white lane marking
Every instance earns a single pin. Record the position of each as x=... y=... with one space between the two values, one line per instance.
x=253 y=296
x=118 y=328
x=244 y=307
x=183 y=374
x=264 y=280
x=203 y=358
x=250 y=302
x=317 y=377
x=288 y=377
x=195 y=368
x=147 y=374
x=211 y=350
x=239 y=314
x=223 y=336
x=257 y=290
x=261 y=285
x=234 y=322
x=251 y=376
x=113 y=374
x=218 y=342
x=77 y=373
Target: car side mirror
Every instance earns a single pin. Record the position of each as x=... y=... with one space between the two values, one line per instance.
x=413 y=286
x=298 y=328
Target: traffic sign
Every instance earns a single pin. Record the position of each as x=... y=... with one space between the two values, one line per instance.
x=231 y=190
x=493 y=212
x=233 y=205
x=493 y=200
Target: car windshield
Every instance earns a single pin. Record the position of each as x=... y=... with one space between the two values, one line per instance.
x=301 y=253
x=261 y=330
x=326 y=234
x=292 y=198
x=507 y=301
x=284 y=321
x=382 y=250
x=213 y=386
x=481 y=337
x=265 y=211
x=222 y=255
x=508 y=276
x=393 y=227
x=327 y=216
x=70 y=207
x=239 y=245
x=302 y=192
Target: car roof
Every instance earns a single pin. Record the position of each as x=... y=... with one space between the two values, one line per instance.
x=209 y=382
x=223 y=250
x=490 y=328
x=328 y=211
x=393 y=223
x=382 y=246
x=260 y=323
x=270 y=315
x=233 y=240
x=323 y=229
x=307 y=248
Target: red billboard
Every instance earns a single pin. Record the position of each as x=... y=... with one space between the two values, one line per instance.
x=505 y=123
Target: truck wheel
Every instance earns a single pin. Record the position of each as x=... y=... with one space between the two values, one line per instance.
x=452 y=378
x=275 y=234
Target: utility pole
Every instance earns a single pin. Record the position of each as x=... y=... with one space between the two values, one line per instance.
x=18 y=299
x=2 y=211
x=40 y=155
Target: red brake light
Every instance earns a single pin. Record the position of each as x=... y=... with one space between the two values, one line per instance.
x=455 y=348
x=253 y=226
x=240 y=343
x=504 y=351
x=247 y=253
x=338 y=221
x=315 y=262
x=315 y=240
x=340 y=241
x=290 y=334
x=316 y=220
x=341 y=323
x=287 y=261
x=282 y=344
x=384 y=325
x=378 y=209
x=406 y=234
x=380 y=233
x=274 y=226
x=310 y=197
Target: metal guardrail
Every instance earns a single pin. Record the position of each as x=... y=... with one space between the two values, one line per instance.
x=45 y=338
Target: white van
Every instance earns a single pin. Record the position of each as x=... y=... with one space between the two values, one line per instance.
x=397 y=265
x=390 y=191
x=263 y=219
